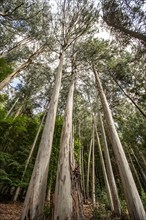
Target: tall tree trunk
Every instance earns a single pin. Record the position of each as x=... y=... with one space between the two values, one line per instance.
x=83 y=172
x=11 y=109
x=88 y=171
x=29 y=157
x=135 y=206
x=111 y=178
x=93 y=172
x=104 y=172
x=18 y=112
x=16 y=72
x=81 y=163
x=35 y=197
x=80 y=154
x=63 y=189
x=73 y=163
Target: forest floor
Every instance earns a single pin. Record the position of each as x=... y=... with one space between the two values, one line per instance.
x=12 y=211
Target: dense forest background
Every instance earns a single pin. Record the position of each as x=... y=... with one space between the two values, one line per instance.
x=73 y=108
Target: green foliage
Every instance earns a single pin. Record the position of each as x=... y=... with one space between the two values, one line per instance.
x=16 y=138
x=5 y=68
x=96 y=214
x=132 y=128
x=143 y=198
x=47 y=211
x=101 y=213
x=77 y=147
x=102 y=197
x=126 y=18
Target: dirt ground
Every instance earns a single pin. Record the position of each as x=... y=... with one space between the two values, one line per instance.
x=12 y=211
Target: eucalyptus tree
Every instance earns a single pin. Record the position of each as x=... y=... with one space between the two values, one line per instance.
x=126 y=18
x=110 y=198
x=111 y=178
x=73 y=19
x=96 y=57
x=18 y=22
x=20 y=36
x=88 y=168
x=63 y=190
x=93 y=169
x=29 y=157
x=19 y=69
x=131 y=193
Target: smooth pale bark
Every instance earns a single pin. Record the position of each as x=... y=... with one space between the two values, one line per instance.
x=83 y=172
x=16 y=72
x=88 y=171
x=35 y=197
x=63 y=189
x=81 y=163
x=72 y=159
x=110 y=174
x=48 y=198
x=29 y=157
x=11 y=109
x=104 y=173
x=93 y=172
x=134 y=203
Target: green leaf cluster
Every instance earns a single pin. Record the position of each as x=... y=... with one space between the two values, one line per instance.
x=5 y=68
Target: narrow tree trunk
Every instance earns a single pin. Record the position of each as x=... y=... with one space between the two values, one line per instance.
x=63 y=189
x=80 y=155
x=135 y=172
x=111 y=178
x=104 y=173
x=83 y=172
x=16 y=194
x=135 y=206
x=18 y=112
x=88 y=171
x=29 y=157
x=81 y=163
x=93 y=172
x=35 y=197
x=48 y=198
x=16 y=72
x=140 y=168
x=11 y=109
x=142 y=157
x=72 y=159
